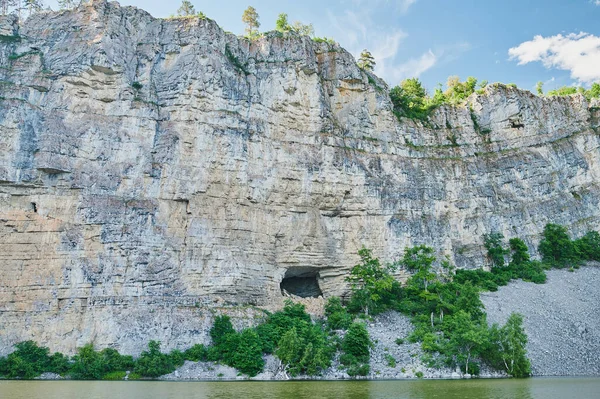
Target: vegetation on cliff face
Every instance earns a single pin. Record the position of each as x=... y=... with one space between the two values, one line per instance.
x=411 y=100
x=444 y=306
x=446 y=309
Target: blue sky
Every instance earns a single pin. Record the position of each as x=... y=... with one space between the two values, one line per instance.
x=510 y=41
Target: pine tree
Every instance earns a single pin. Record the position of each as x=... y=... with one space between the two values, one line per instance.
x=366 y=61
x=250 y=18
x=186 y=9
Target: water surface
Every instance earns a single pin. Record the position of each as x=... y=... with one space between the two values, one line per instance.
x=547 y=388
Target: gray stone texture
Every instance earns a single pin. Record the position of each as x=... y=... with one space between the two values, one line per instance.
x=154 y=172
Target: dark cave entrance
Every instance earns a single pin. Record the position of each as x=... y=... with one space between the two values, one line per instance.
x=302 y=282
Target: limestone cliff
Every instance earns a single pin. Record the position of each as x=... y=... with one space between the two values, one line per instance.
x=152 y=170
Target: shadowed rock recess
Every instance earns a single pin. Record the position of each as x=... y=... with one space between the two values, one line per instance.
x=152 y=171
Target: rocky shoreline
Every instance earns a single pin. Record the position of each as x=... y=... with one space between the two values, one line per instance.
x=560 y=319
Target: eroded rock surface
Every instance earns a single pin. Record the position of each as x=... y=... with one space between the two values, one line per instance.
x=152 y=171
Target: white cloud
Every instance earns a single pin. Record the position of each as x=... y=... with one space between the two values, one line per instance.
x=578 y=53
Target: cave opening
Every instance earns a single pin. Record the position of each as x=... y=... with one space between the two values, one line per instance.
x=302 y=282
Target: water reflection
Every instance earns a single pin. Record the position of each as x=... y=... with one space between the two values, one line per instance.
x=547 y=388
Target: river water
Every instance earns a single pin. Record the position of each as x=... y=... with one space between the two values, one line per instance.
x=547 y=388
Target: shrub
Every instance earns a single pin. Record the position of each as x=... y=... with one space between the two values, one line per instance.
x=30 y=360
x=588 y=246
x=153 y=363
x=338 y=317
x=495 y=250
x=556 y=246
x=356 y=342
x=196 y=353
x=247 y=357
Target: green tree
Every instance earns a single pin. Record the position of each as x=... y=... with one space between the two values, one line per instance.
x=247 y=356
x=250 y=18
x=495 y=250
x=303 y=29
x=186 y=9
x=588 y=246
x=289 y=350
x=27 y=361
x=520 y=252
x=337 y=315
x=370 y=281
x=594 y=91
x=69 y=4
x=366 y=61
x=410 y=99
x=563 y=91
x=419 y=260
x=556 y=246
x=513 y=342
x=88 y=364
x=357 y=342
x=282 y=25
x=153 y=363
x=33 y=6
x=468 y=338
x=221 y=328
x=539 y=88
x=457 y=91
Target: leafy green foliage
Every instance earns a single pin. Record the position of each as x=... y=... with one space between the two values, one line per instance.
x=556 y=246
x=356 y=347
x=457 y=91
x=153 y=363
x=366 y=61
x=197 y=353
x=508 y=347
x=593 y=92
x=337 y=316
x=282 y=25
x=250 y=18
x=588 y=246
x=30 y=360
x=496 y=251
x=371 y=283
x=410 y=100
x=89 y=364
x=186 y=9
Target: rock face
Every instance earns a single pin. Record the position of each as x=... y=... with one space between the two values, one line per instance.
x=561 y=320
x=152 y=170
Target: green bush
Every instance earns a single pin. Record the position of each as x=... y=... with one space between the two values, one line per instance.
x=89 y=364
x=197 y=353
x=556 y=246
x=153 y=363
x=495 y=249
x=588 y=246
x=30 y=360
x=337 y=316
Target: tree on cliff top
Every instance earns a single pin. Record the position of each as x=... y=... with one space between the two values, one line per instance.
x=250 y=18
x=366 y=60
x=282 y=25
x=68 y=4
x=186 y=9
